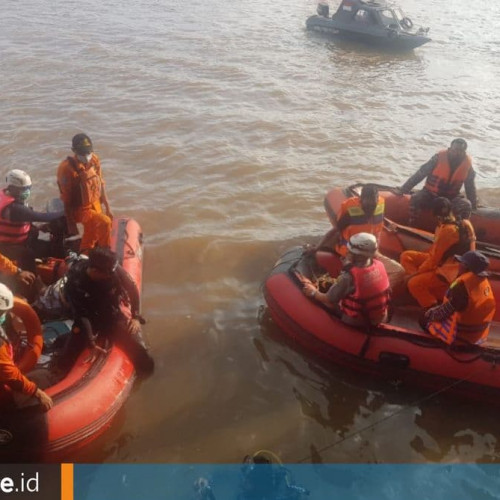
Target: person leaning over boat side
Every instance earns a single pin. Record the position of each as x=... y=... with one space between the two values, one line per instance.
x=361 y=294
x=17 y=233
x=430 y=273
x=81 y=185
x=94 y=290
x=16 y=388
x=357 y=214
x=445 y=173
x=469 y=304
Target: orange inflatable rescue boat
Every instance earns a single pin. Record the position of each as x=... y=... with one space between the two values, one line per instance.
x=399 y=350
x=88 y=396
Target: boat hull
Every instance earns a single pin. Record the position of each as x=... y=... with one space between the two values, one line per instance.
x=390 y=351
x=88 y=397
x=381 y=37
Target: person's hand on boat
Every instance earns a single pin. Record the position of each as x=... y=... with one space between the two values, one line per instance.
x=309 y=290
x=45 y=400
x=25 y=277
x=390 y=226
x=141 y=319
x=302 y=278
x=310 y=249
x=108 y=210
x=430 y=313
x=134 y=326
x=95 y=351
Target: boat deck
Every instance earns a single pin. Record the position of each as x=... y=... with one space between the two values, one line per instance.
x=407 y=317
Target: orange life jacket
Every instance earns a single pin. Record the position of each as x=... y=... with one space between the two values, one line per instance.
x=442 y=181
x=465 y=241
x=370 y=298
x=89 y=187
x=359 y=222
x=11 y=232
x=473 y=323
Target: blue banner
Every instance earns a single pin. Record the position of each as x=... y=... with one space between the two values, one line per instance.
x=286 y=482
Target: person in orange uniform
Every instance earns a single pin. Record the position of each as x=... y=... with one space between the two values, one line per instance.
x=445 y=173
x=14 y=385
x=363 y=214
x=20 y=281
x=82 y=191
x=469 y=304
x=430 y=273
x=361 y=294
x=462 y=210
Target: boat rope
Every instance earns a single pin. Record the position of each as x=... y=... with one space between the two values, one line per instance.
x=391 y=415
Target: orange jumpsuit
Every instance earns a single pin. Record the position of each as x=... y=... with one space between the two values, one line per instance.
x=7 y=267
x=11 y=375
x=81 y=192
x=431 y=276
x=468 y=319
x=353 y=220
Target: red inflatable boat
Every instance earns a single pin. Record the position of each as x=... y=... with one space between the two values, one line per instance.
x=88 y=397
x=399 y=350
x=486 y=221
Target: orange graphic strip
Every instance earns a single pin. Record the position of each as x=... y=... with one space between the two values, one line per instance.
x=67 y=482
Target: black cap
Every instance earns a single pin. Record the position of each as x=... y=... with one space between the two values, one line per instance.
x=441 y=207
x=103 y=259
x=82 y=144
x=474 y=261
x=459 y=142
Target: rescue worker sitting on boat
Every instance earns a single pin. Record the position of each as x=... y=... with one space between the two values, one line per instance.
x=364 y=213
x=469 y=304
x=445 y=173
x=17 y=233
x=15 y=387
x=361 y=294
x=81 y=185
x=430 y=273
x=462 y=210
x=358 y=214
x=94 y=290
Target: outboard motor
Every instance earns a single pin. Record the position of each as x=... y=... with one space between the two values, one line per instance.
x=323 y=9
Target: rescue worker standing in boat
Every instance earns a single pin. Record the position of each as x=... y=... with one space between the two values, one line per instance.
x=81 y=184
x=94 y=290
x=15 y=387
x=361 y=294
x=469 y=304
x=445 y=173
x=430 y=273
x=17 y=235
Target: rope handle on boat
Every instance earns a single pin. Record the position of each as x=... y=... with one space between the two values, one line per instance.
x=130 y=253
x=381 y=187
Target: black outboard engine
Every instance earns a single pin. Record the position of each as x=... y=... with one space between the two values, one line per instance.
x=323 y=9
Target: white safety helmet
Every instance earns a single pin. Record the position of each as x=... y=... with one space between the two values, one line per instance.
x=363 y=244
x=18 y=178
x=6 y=299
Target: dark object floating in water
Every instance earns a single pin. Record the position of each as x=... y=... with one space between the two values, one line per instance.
x=375 y=22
